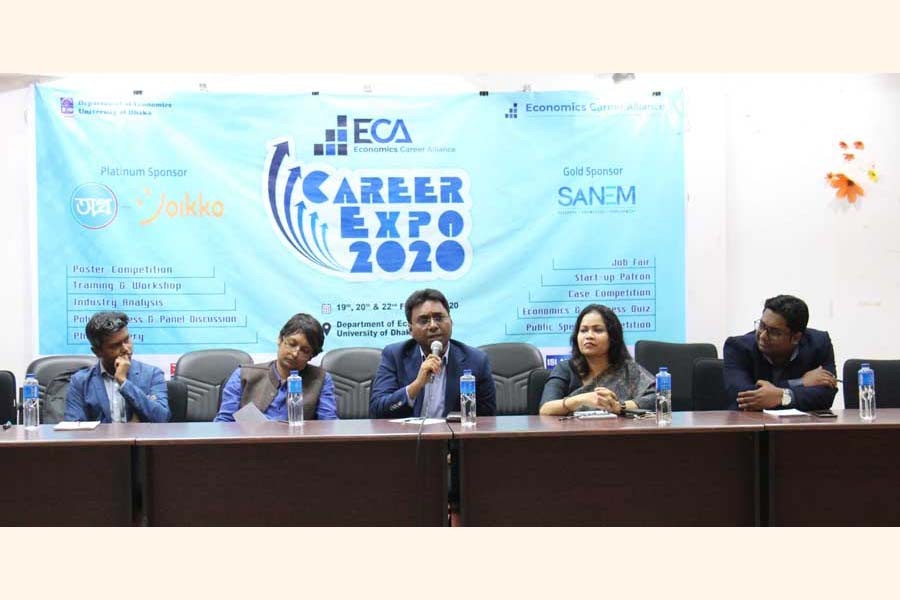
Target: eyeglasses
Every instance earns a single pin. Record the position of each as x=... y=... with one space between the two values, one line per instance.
x=112 y=325
x=438 y=319
x=772 y=332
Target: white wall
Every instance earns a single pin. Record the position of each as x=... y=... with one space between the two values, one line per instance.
x=17 y=293
x=760 y=219
x=786 y=230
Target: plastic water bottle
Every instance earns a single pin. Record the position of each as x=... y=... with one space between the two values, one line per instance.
x=866 y=378
x=467 y=398
x=663 y=396
x=31 y=413
x=295 y=399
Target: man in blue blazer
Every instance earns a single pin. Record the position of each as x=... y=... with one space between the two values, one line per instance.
x=411 y=377
x=782 y=364
x=117 y=388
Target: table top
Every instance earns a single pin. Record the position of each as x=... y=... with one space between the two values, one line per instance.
x=224 y=433
x=355 y=430
x=112 y=434
x=368 y=430
x=886 y=418
x=682 y=422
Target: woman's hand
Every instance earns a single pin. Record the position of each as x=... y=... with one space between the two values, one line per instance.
x=606 y=399
x=585 y=400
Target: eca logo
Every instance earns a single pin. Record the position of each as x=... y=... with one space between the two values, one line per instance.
x=365 y=131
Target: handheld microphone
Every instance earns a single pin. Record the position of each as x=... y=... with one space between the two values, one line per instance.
x=436 y=348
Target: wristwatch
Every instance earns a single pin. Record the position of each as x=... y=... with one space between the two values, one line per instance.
x=621 y=406
x=785 y=397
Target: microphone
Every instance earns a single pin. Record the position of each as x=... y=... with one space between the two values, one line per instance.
x=436 y=348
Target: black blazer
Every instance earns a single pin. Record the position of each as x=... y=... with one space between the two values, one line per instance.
x=745 y=364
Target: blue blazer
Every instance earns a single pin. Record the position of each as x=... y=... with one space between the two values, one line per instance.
x=399 y=366
x=745 y=364
x=144 y=391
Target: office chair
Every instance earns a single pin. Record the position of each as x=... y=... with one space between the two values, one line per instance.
x=511 y=365
x=708 y=384
x=537 y=379
x=887 y=382
x=679 y=358
x=7 y=397
x=49 y=368
x=205 y=372
x=177 y=393
x=352 y=370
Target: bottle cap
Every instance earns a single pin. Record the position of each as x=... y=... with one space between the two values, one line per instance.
x=29 y=375
x=864 y=366
x=664 y=369
x=294 y=372
x=467 y=371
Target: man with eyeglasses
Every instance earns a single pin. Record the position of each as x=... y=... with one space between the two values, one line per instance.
x=409 y=374
x=265 y=385
x=782 y=363
x=118 y=388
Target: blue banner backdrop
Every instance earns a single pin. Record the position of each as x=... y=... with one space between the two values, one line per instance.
x=211 y=218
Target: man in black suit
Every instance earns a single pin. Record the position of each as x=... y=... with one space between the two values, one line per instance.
x=782 y=364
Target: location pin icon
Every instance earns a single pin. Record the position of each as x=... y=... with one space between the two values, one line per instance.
x=326 y=327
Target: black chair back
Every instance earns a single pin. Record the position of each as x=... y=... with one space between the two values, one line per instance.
x=177 y=393
x=887 y=382
x=46 y=368
x=49 y=368
x=709 y=384
x=537 y=379
x=511 y=364
x=679 y=358
x=7 y=397
x=205 y=372
x=352 y=370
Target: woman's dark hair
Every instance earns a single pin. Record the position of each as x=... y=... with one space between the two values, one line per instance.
x=104 y=324
x=618 y=351
x=309 y=326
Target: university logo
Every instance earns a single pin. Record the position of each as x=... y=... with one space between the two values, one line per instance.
x=94 y=205
x=364 y=131
x=66 y=106
x=513 y=112
x=368 y=224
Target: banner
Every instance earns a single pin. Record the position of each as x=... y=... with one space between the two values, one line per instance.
x=211 y=218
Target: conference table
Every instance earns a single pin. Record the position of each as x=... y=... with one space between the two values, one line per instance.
x=840 y=472
x=66 y=477
x=705 y=468
x=361 y=472
x=355 y=472
x=702 y=469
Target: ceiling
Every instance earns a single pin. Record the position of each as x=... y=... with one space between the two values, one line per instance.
x=16 y=81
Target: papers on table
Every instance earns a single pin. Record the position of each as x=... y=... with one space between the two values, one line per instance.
x=75 y=425
x=593 y=414
x=785 y=412
x=249 y=414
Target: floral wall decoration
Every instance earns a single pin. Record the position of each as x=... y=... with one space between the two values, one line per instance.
x=848 y=182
